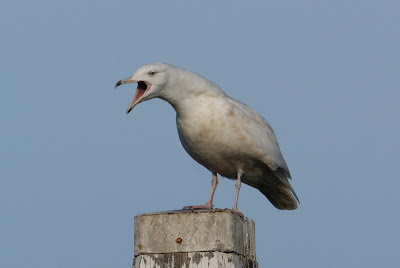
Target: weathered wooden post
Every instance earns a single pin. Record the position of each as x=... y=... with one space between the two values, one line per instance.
x=194 y=238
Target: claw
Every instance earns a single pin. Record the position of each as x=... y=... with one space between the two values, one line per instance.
x=237 y=212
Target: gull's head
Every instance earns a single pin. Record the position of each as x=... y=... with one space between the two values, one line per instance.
x=151 y=79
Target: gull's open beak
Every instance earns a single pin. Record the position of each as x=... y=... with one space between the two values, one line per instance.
x=142 y=88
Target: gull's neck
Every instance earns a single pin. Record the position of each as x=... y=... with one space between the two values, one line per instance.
x=190 y=90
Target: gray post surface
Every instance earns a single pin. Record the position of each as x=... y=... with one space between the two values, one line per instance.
x=194 y=238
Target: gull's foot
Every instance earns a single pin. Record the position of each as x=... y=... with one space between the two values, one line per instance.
x=237 y=212
x=206 y=206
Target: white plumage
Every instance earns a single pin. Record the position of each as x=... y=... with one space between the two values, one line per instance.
x=222 y=134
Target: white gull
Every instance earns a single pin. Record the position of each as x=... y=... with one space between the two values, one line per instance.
x=222 y=134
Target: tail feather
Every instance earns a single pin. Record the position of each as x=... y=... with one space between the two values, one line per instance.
x=279 y=191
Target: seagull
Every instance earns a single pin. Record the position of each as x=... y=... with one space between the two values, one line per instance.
x=224 y=135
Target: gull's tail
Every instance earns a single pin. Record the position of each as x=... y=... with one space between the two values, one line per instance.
x=278 y=190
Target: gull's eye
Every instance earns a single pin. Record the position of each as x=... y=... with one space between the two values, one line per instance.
x=151 y=73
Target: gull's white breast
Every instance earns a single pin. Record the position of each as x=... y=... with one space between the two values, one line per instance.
x=226 y=136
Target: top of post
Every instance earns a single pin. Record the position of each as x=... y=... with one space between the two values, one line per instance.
x=194 y=230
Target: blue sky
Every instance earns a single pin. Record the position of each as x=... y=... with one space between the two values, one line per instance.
x=75 y=169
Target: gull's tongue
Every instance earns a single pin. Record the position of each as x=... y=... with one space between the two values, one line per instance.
x=140 y=90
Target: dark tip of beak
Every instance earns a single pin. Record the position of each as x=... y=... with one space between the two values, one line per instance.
x=118 y=84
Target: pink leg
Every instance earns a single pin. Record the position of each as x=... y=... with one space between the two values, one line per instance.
x=237 y=186
x=209 y=204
